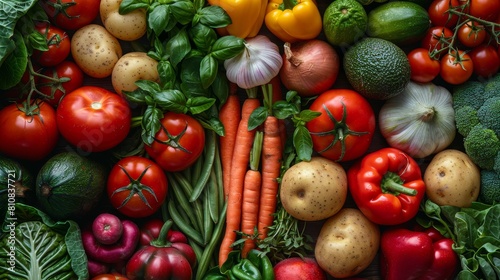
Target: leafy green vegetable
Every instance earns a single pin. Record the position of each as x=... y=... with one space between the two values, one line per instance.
x=43 y=249
x=476 y=234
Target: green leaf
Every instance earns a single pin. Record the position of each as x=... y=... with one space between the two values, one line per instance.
x=308 y=115
x=491 y=225
x=171 y=100
x=168 y=76
x=257 y=117
x=159 y=19
x=147 y=86
x=465 y=229
x=127 y=6
x=283 y=109
x=178 y=47
x=302 y=142
x=214 y=17
x=197 y=105
x=220 y=86
x=208 y=70
x=183 y=11
x=151 y=124
x=202 y=36
x=13 y=68
x=227 y=47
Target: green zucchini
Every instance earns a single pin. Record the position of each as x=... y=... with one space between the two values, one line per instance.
x=400 y=22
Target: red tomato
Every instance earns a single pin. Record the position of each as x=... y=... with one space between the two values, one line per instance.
x=137 y=186
x=484 y=9
x=456 y=68
x=423 y=68
x=71 y=14
x=29 y=132
x=93 y=119
x=109 y=276
x=439 y=15
x=179 y=142
x=486 y=60
x=436 y=38
x=58 y=42
x=471 y=34
x=345 y=128
x=55 y=89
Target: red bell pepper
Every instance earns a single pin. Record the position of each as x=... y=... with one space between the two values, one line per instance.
x=387 y=186
x=151 y=231
x=416 y=255
x=162 y=259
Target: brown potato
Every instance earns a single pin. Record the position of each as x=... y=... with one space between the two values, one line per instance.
x=131 y=67
x=451 y=178
x=127 y=27
x=347 y=243
x=314 y=190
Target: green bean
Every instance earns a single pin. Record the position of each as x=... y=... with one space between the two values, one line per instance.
x=213 y=197
x=208 y=225
x=164 y=211
x=189 y=231
x=219 y=179
x=196 y=169
x=198 y=250
x=210 y=144
x=196 y=205
x=211 y=247
x=182 y=201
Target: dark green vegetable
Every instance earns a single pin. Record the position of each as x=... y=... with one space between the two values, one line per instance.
x=256 y=266
x=16 y=184
x=35 y=247
x=246 y=270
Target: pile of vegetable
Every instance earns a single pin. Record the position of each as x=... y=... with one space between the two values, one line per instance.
x=223 y=139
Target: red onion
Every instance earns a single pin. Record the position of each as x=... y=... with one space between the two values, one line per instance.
x=309 y=67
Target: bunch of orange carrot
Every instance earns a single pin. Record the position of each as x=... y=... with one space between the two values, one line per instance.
x=251 y=191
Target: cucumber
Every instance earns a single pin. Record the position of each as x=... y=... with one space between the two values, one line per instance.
x=68 y=186
x=400 y=22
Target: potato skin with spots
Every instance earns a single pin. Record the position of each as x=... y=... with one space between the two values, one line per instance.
x=314 y=190
x=126 y=27
x=131 y=67
x=95 y=50
x=451 y=178
x=347 y=243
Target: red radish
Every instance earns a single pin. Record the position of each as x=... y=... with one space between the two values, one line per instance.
x=299 y=269
x=107 y=228
x=96 y=268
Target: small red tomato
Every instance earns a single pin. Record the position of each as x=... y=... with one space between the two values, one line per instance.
x=437 y=38
x=456 y=68
x=484 y=9
x=423 y=68
x=71 y=14
x=58 y=43
x=486 y=60
x=471 y=34
x=64 y=78
x=439 y=15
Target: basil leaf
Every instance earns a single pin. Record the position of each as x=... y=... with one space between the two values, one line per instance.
x=302 y=142
x=257 y=117
x=183 y=11
x=208 y=70
x=214 y=17
x=127 y=6
x=220 y=86
x=197 y=105
x=167 y=74
x=147 y=86
x=171 y=100
x=159 y=19
x=190 y=77
x=283 y=110
x=308 y=115
x=150 y=124
x=227 y=47
x=202 y=36
x=136 y=96
x=178 y=47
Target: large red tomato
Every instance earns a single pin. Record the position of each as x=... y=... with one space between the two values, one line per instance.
x=71 y=14
x=484 y=9
x=63 y=78
x=137 y=186
x=29 y=132
x=179 y=142
x=93 y=118
x=471 y=34
x=345 y=128
x=423 y=68
x=456 y=68
x=486 y=60
x=58 y=42
x=439 y=15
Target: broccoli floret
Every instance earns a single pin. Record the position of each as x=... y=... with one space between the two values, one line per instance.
x=489 y=114
x=496 y=166
x=490 y=187
x=482 y=145
x=468 y=94
x=492 y=88
x=465 y=119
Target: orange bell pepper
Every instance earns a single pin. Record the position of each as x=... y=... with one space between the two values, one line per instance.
x=293 y=20
x=247 y=16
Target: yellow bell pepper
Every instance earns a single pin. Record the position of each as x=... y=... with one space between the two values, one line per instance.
x=247 y=16
x=293 y=20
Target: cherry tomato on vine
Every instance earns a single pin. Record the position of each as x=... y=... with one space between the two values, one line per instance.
x=58 y=42
x=345 y=128
x=93 y=118
x=179 y=142
x=423 y=68
x=486 y=60
x=67 y=76
x=436 y=38
x=29 y=130
x=456 y=68
x=137 y=186
x=484 y=9
x=71 y=14
x=439 y=15
x=471 y=34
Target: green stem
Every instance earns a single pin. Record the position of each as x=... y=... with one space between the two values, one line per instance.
x=161 y=241
x=392 y=183
x=288 y=5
